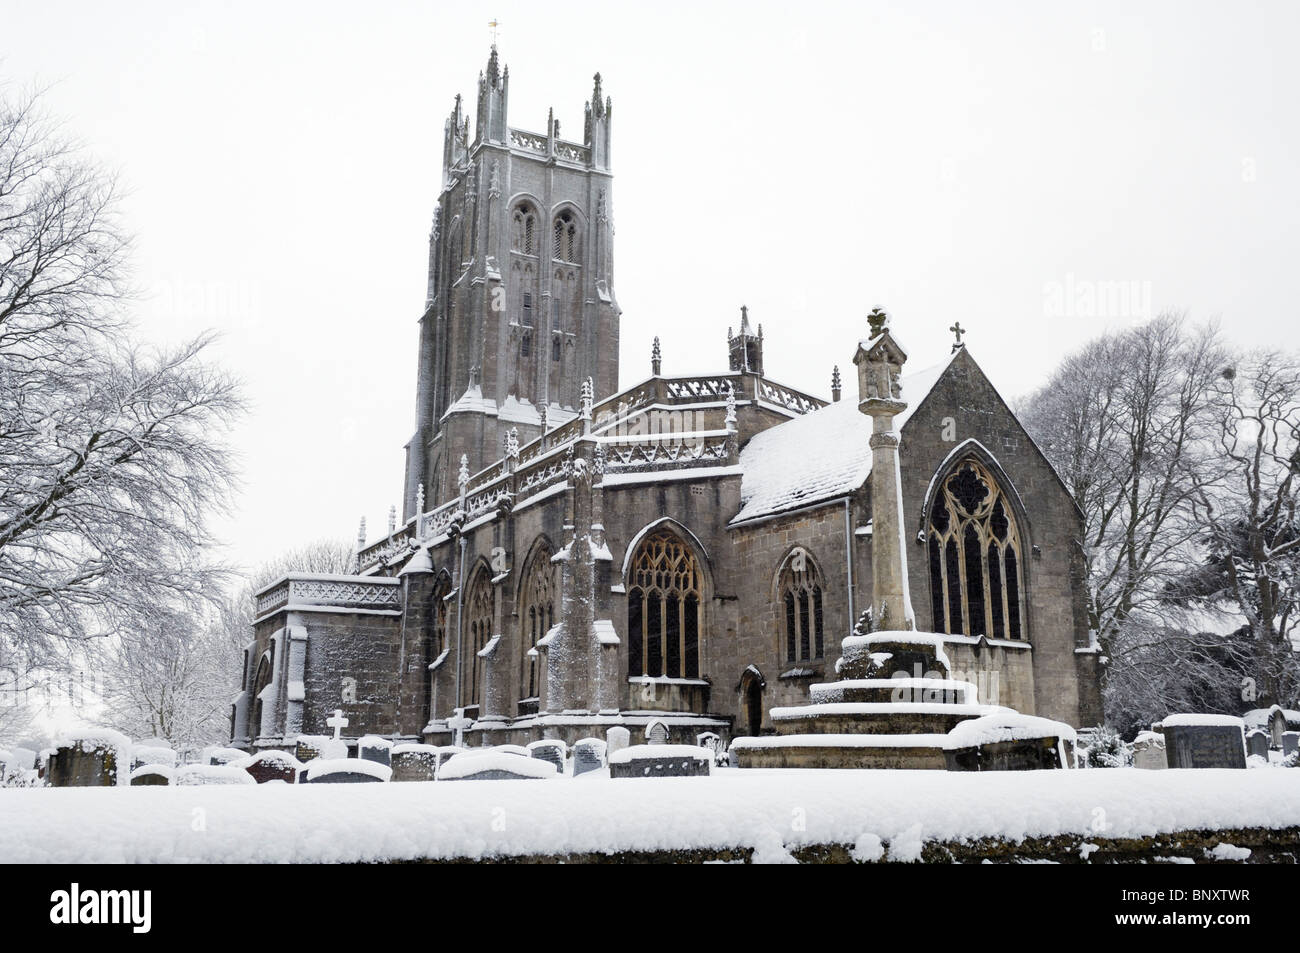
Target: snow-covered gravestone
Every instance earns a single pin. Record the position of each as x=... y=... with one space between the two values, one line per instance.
x=1149 y=751
x=616 y=739
x=549 y=750
x=414 y=762
x=1257 y=743
x=267 y=766
x=1290 y=743
x=711 y=741
x=335 y=748
x=1204 y=741
x=588 y=755
x=376 y=749
x=97 y=757
x=656 y=733
x=459 y=724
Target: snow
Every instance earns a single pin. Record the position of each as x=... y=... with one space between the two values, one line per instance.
x=319 y=767
x=1260 y=717
x=269 y=757
x=734 y=808
x=818 y=456
x=150 y=769
x=468 y=763
x=1005 y=725
x=881 y=708
x=204 y=774
x=1228 y=852
x=374 y=741
x=639 y=752
x=142 y=754
x=411 y=747
x=1183 y=720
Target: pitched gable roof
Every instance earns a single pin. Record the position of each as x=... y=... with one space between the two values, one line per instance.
x=819 y=456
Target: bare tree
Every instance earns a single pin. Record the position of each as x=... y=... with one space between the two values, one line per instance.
x=112 y=456
x=1127 y=423
x=1251 y=526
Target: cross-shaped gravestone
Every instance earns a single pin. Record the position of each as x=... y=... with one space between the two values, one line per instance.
x=958 y=330
x=458 y=723
x=338 y=722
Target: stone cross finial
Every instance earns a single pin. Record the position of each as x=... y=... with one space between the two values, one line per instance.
x=462 y=478
x=338 y=722
x=731 y=407
x=656 y=358
x=958 y=330
x=878 y=320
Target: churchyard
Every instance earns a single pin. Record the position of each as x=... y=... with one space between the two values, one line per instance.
x=1198 y=790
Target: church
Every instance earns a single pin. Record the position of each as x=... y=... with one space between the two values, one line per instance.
x=573 y=554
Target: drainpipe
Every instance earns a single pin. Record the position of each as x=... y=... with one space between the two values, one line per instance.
x=848 y=553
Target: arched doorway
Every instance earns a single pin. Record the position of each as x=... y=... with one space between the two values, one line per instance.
x=752 y=684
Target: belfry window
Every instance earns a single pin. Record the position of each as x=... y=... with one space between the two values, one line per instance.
x=801 y=608
x=565 y=238
x=664 y=608
x=523 y=231
x=976 y=579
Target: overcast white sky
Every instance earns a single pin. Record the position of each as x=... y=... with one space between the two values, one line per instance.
x=992 y=163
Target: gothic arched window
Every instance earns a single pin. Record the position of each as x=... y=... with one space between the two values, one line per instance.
x=800 y=586
x=664 y=608
x=523 y=230
x=566 y=238
x=976 y=579
x=536 y=616
x=478 y=609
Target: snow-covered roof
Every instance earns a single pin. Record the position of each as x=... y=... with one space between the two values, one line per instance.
x=819 y=456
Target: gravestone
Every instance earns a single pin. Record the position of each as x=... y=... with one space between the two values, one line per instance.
x=204 y=774
x=90 y=759
x=1276 y=725
x=266 y=766
x=414 y=762
x=219 y=756
x=616 y=739
x=309 y=747
x=492 y=764
x=447 y=752
x=376 y=749
x=459 y=724
x=656 y=732
x=1257 y=743
x=1290 y=743
x=1204 y=741
x=345 y=771
x=588 y=755
x=151 y=754
x=549 y=750
x=660 y=761
x=712 y=741
x=152 y=775
x=1149 y=751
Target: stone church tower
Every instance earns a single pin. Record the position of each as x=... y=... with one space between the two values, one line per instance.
x=520 y=308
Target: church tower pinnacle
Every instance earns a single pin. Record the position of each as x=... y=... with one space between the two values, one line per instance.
x=520 y=306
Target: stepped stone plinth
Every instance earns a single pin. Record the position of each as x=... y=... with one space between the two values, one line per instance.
x=892 y=707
